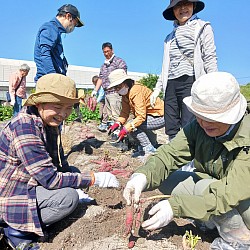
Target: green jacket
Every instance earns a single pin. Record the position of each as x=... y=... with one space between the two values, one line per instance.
x=226 y=159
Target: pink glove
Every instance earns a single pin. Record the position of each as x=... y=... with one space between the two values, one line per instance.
x=122 y=133
x=114 y=127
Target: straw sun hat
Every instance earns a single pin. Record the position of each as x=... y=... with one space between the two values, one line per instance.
x=53 y=88
x=216 y=97
x=117 y=77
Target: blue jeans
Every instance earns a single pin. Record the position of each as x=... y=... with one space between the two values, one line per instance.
x=18 y=105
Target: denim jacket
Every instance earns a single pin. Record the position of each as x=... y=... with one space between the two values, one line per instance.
x=48 y=51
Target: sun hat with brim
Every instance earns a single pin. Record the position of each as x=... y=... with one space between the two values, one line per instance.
x=117 y=77
x=216 y=97
x=168 y=13
x=53 y=88
x=69 y=8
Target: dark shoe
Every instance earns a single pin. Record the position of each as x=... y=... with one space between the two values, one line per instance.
x=103 y=127
x=78 y=120
x=114 y=138
x=20 y=240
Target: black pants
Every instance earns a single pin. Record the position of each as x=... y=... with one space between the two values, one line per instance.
x=176 y=114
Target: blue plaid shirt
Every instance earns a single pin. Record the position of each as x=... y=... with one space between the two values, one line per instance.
x=26 y=163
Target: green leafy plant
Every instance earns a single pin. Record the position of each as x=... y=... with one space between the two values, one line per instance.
x=245 y=90
x=87 y=115
x=6 y=112
x=150 y=80
x=190 y=240
x=90 y=115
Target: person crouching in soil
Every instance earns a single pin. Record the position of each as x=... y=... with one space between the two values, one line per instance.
x=136 y=99
x=218 y=142
x=34 y=194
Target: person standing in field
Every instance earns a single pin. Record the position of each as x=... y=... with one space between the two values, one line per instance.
x=112 y=98
x=189 y=52
x=17 y=87
x=48 y=52
x=100 y=98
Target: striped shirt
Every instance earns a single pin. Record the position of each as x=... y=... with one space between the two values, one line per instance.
x=24 y=164
x=182 y=50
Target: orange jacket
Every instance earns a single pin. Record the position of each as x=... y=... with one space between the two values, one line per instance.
x=137 y=101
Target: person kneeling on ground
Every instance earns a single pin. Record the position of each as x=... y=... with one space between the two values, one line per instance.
x=218 y=141
x=136 y=98
x=34 y=194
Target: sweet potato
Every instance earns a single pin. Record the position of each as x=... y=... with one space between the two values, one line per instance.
x=129 y=220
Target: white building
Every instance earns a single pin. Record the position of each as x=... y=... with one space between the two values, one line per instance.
x=80 y=74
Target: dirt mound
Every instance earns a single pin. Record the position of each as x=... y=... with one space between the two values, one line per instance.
x=101 y=226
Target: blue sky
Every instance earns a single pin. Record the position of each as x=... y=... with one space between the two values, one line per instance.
x=136 y=28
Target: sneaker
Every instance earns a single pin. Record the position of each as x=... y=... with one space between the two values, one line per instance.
x=138 y=152
x=220 y=244
x=103 y=127
x=143 y=154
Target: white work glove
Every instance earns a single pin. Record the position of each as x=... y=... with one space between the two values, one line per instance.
x=83 y=197
x=93 y=93
x=162 y=214
x=12 y=102
x=153 y=97
x=105 y=179
x=134 y=187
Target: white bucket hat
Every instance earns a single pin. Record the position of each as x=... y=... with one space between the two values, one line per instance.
x=117 y=77
x=216 y=97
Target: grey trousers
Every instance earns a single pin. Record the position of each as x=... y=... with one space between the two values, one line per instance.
x=182 y=182
x=54 y=205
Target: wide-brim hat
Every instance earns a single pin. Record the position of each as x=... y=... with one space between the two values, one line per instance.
x=117 y=77
x=216 y=97
x=53 y=88
x=69 y=8
x=169 y=14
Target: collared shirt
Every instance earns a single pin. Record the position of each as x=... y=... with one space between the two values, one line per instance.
x=16 y=79
x=48 y=51
x=106 y=69
x=24 y=164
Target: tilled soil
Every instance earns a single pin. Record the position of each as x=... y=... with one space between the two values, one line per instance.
x=102 y=225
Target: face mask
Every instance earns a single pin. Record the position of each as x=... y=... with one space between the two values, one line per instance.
x=123 y=91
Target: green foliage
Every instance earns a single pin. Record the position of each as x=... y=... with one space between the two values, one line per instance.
x=90 y=115
x=6 y=112
x=150 y=80
x=245 y=90
x=87 y=115
x=191 y=240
